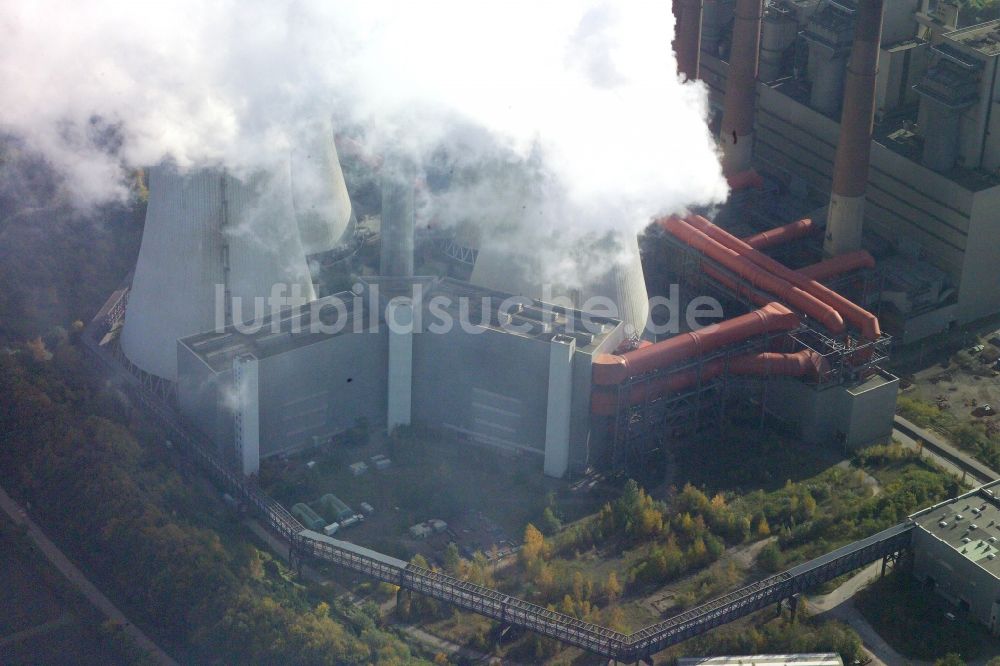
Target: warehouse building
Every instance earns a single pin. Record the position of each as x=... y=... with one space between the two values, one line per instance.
x=956 y=547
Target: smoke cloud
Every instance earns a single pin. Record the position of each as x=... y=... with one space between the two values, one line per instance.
x=579 y=97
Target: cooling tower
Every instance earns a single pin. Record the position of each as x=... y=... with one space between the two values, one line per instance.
x=520 y=272
x=209 y=233
x=322 y=205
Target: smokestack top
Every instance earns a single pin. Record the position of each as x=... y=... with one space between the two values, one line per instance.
x=741 y=86
x=850 y=168
x=858 y=117
x=687 y=36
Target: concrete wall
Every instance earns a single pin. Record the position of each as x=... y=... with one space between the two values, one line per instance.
x=838 y=415
x=491 y=386
x=868 y=410
x=956 y=577
x=979 y=293
x=201 y=395
x=322 y=389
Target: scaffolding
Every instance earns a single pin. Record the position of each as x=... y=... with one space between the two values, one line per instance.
x=639 y=430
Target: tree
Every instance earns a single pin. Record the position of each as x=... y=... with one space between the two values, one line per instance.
x=770 y=558
x=950 y=659
x=762 y=530
x=452 y=558
x=612 y=588
x=550 y=523
x=535 y=547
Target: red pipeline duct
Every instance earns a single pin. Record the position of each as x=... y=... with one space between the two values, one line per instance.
x=611 y=370
x=745 y=180
x=741 y=87
x=806 y=363
x=687 y=36
x=735 y=286
x=844 y=263
x=780 y=235
x=863 y=320
x=755 y=275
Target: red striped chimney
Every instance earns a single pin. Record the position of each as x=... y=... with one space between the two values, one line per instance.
x=741 y=87
x=845 y=219
x=687 y=36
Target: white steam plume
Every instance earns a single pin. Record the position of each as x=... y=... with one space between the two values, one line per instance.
x=586 y=87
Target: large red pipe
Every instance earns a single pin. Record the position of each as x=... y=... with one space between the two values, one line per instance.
x=784 y=234
x=741 y=289
x=863 y=320
x=687 y=36
x=806 y=363
x=745 y=180
x=611 y=370
x=844 y=263
x=755 y=275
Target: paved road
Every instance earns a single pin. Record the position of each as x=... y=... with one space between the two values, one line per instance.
x=76 y=577
x=981 y=472
x=839 y=604
x=37 y=630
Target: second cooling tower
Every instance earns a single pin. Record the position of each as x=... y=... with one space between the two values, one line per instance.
x=614 y=277
x=322 y=205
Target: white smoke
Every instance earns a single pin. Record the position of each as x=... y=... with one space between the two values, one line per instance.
x=583 y=90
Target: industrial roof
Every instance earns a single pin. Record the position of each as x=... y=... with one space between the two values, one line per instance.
x=983 y=38
x=348 y=313
x=825 y=659
x=290 y=329
x=532 y=318
x=970 y=524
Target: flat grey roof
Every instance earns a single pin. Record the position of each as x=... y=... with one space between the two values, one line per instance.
x=290 y=329
x=970 y=524
x=823 y=659
x=879 y=378
x=983 y=38
x=348 y=313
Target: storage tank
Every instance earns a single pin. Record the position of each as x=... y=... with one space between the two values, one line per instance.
x=322 y=205
x=211 y=244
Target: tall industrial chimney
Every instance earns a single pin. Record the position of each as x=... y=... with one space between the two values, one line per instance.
x=398 y=184
x=850 y=168
x=741 y=87
x=687 y=36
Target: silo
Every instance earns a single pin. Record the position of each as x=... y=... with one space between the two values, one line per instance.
x=212 y=243
x=322 y=205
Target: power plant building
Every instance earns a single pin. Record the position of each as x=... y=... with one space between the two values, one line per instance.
x=933 y=191
x=508 y=373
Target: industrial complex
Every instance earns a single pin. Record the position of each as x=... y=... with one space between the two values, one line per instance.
x=859 y=144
